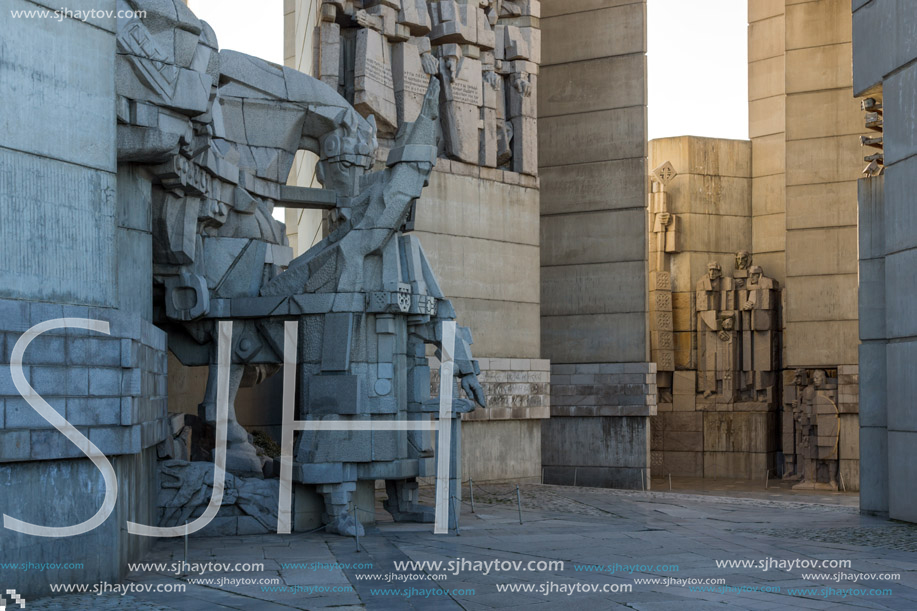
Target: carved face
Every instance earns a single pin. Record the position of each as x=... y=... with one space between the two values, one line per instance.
x=754 y=274
x=714 y=271
x=346 y=155
x=341 y=176
x=819 y=378
x=728 y=323
x=742 y=259
x=799 y=377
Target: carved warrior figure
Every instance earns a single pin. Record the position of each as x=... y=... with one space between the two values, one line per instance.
x=817 y=430
x=215 y=133
x=710 y=295
x=737 y=333
x=812 y=431
x=379 y=55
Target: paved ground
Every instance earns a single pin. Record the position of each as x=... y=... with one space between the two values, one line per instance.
x=585 y=529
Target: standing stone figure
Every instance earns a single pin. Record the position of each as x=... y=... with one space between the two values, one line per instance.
x=736 y=333
x=758 y=303
x=817 y=419
x=792 y=432
x=727 y=354
x=366 y=357
x=711 y=293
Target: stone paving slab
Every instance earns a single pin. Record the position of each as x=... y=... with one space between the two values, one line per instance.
x=575 y=525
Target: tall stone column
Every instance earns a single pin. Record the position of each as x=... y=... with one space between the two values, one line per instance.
x=885 y=73
x=593 y=146
x=74 y=242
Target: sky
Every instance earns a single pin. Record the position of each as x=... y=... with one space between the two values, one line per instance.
x=697 y=64
x=697 y=59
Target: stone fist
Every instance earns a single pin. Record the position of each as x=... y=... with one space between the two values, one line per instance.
x=473 y=389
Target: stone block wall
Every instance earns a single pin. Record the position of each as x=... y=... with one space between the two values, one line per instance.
x=592 y=164
x=598 y=434
x=75 y=243
x=884 y=69
x=112 y=388
x=504 y=440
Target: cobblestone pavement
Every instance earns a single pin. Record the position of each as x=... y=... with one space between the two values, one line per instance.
x=611 y=541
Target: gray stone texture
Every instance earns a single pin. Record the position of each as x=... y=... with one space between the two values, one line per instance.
x=589 y=147
x=593 y=262
x=883 y=40
x=883 y=48
x=86 y=378
x=62 y=245
x=65 y=491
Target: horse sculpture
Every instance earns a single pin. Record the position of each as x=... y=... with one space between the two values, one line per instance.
x=217 y=133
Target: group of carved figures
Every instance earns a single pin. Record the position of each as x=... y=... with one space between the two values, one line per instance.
x=379 y=55
x=737 y=350
x=737 y=333
x=211 y=136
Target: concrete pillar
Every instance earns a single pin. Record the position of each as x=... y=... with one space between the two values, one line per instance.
x=873 y=375
x=74 y=242
x=883 y=68
x=592 y=162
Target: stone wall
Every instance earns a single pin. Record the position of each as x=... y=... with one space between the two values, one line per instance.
x=823 y=161
x=592 y=162
x=884 y=50
x=707 y=191
x=75 y=243
x=805 y=128
x=708 y=188
x=504 y=440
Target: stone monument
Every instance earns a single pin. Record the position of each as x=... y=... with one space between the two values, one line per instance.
x=213 y=134
x=379 y=54
x=812 y=404
x=736 y=338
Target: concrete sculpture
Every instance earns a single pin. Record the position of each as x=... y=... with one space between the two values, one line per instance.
x=811 y=404
x=379 y=55
x=213 y=134
x=736 y=334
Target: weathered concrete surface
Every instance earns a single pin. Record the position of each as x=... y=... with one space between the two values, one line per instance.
x=595 y=452
x=495 y=450
x=66 y=492
x=883 y=42
x=593 y=241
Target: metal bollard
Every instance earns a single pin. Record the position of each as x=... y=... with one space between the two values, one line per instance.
x=186 y=544
x=455 y=518
x=519 y=502
x=642 y=480
x=767 y=478
x=670 y=482
x=356 y=528
x=471 y=487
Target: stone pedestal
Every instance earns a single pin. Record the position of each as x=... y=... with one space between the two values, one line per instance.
x=599 y=431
